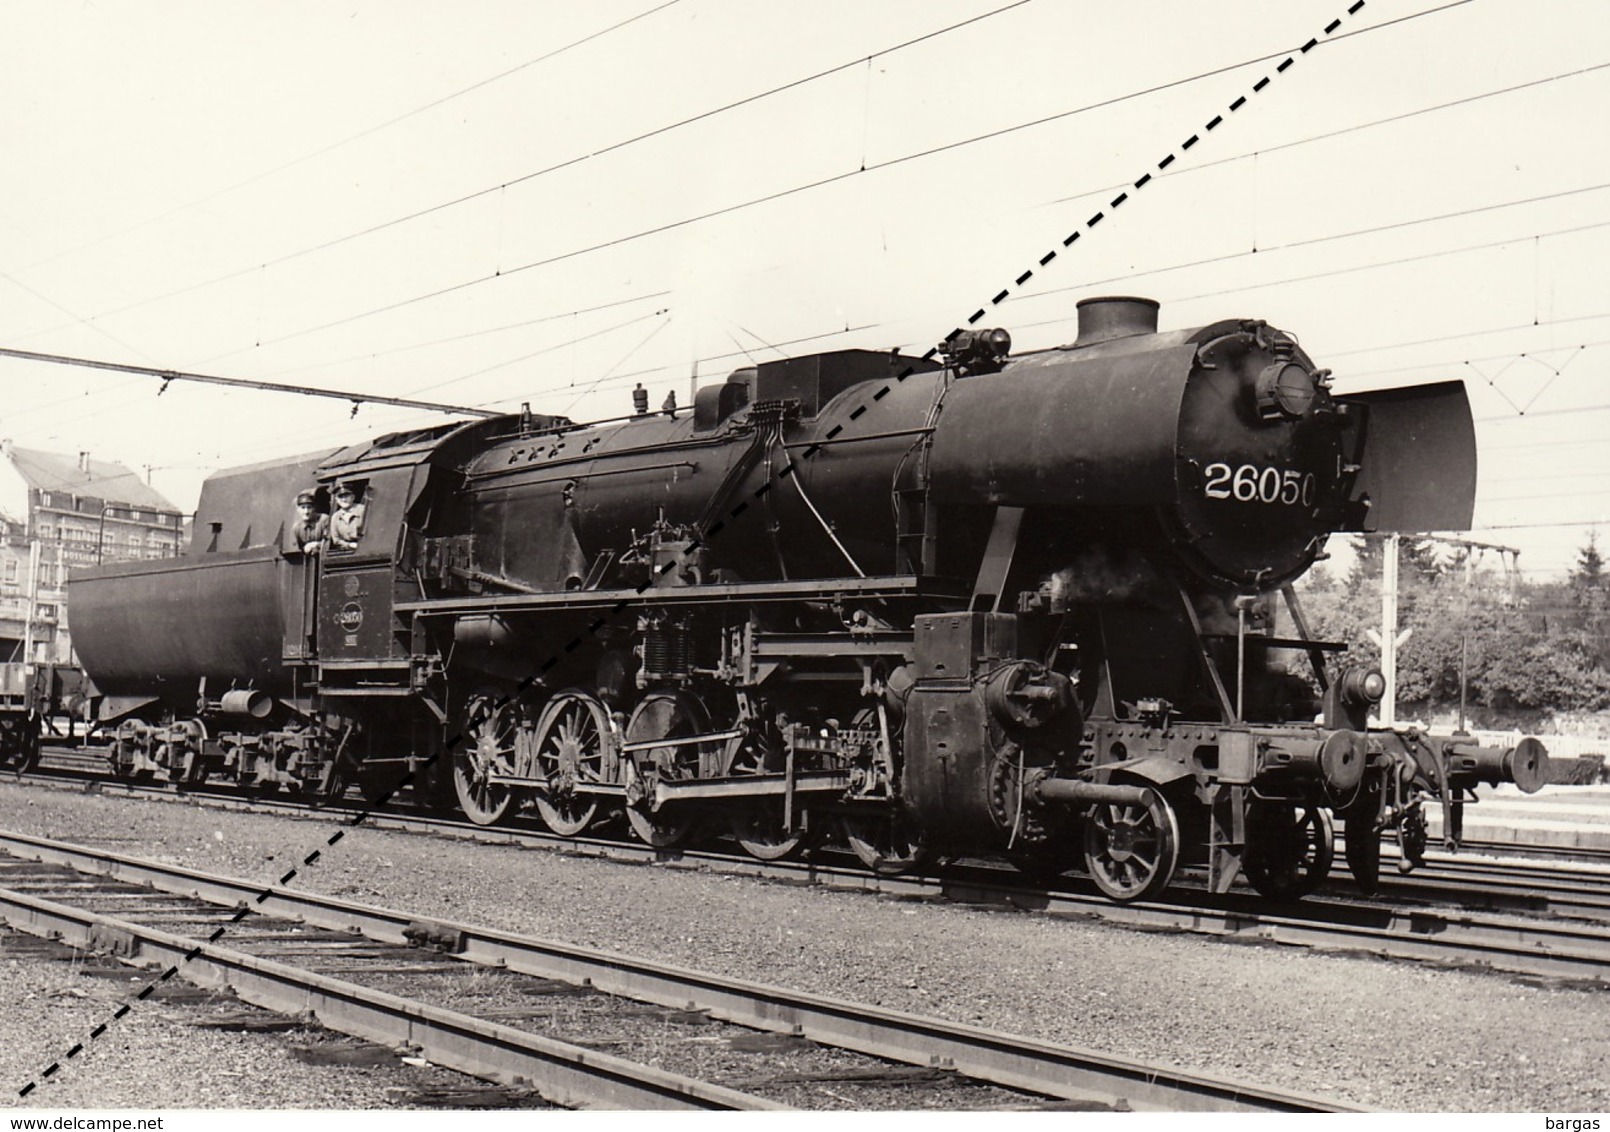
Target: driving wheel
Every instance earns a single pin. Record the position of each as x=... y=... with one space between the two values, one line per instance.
x=662 y=715
x=572 y=735
x=485 y=745
x=758 y=825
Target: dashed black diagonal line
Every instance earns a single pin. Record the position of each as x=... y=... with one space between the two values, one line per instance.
x=715 y=528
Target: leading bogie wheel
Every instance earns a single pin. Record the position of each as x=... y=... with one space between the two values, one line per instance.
x=485 y=746
x=572 y=738
x=1132 y=848
x=1290 y=848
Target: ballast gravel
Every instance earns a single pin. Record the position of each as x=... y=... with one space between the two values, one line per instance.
x=1372 y=1032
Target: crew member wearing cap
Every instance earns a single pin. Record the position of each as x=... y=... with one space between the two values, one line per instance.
x=346 y=525
x=312 y=525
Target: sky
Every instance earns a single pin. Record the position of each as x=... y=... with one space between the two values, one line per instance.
x=529 y=202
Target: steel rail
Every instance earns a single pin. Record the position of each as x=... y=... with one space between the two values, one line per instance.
x=1578 y=894
x=1576 y=951
x=565 y=1074
x=1065 y=1072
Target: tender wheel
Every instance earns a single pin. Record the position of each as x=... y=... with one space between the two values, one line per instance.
x=663 y=715
x=187 y=757
x=1289 y=848
x=1131 y=849
x=19 y=743
x=127 y=746
x=888 y=843
x=19 y=750
x=341 y=773
x=572 y=737
x=28 y=758
x=485 y=745
x=759 y=825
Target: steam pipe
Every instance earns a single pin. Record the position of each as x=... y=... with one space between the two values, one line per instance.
x=1074 y=792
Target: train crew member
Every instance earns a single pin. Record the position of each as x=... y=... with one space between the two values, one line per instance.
x=312 y=525
x=346 y=525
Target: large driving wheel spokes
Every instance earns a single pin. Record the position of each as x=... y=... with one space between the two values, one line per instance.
x=1289 y=848
x=572 y=738
x=485 y=746
x=1131 y=848
x=888 y=842
x=662 y=715
x=759 y=825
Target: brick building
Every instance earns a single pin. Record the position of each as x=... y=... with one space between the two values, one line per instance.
x=58 y=512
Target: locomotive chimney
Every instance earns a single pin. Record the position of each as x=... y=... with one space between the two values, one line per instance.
x=1118 y=316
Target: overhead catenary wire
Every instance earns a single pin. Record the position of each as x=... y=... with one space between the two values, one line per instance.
x=484 y=332
x=167 y=375
x=17 y=411
x=551 y=348
x=1266 y=249
x=348 y=140
x=751 y=99
x=613 y=147
x=812 y=185
x=1309 y=139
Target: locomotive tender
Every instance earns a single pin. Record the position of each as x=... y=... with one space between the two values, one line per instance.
x=974 y=604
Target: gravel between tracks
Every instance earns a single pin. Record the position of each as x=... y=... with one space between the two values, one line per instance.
x=1378 y=1033
x=155 y=1058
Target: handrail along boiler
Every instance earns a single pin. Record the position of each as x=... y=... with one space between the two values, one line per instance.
x=984 y=604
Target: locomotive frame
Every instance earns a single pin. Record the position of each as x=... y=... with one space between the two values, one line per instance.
x=1031 y=610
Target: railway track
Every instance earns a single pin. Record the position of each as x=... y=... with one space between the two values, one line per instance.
x=1483 y=914
x=267 y=944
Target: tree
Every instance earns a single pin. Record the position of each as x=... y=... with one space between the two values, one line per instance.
x=1589 y=572
x=1522 y=648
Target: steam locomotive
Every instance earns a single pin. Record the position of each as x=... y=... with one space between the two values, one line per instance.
x=1037 y=606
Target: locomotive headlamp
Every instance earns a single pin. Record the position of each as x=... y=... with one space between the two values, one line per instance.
x=1363 y=686
x=1285 y=389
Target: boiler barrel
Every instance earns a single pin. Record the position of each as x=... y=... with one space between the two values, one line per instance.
x=1051 y=431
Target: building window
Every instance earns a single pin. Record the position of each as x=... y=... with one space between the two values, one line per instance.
x=11 y=572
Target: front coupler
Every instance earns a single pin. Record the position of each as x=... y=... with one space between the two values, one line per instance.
x=1407 y=769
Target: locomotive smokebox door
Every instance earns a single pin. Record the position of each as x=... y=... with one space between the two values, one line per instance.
x=1418 y=458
